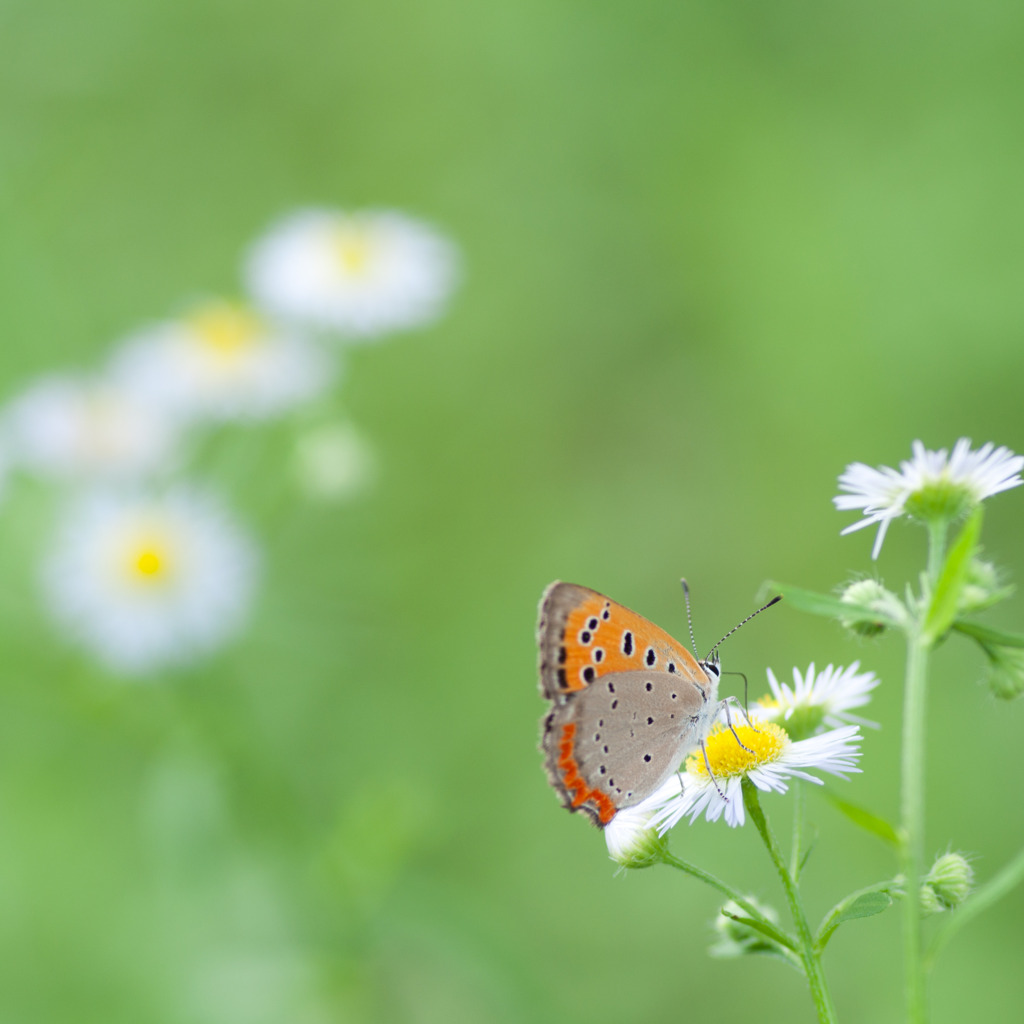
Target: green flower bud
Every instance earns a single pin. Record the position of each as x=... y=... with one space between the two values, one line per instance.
x=738 y=939
x=631 y=842
x=1005 y=671
x=869 y=594
x=950 y=880
x=981 y=587
x=646 y=852
x=930 y=903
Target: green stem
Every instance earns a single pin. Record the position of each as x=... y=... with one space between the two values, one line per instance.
x=808 y=954
x=992 y=891
x=726 y=890
x=797 y=852
x=912 y=823
x=937 y=529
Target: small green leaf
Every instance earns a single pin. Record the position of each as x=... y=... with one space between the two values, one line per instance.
x=866 y=905
x=946 y=598
x=989 y=637
x=863 y=817
x=823 y=604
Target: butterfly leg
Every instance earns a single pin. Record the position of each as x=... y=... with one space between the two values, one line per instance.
x=711 y=774
x=728 y=721
x=743 y=708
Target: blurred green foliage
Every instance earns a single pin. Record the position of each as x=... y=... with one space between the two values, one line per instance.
x=713 y=253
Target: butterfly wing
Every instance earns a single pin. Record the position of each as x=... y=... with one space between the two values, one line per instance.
x=612 y=744
x=583 y=635
x=608 y=670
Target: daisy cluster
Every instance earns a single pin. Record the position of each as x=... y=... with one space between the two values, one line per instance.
x=794 y=732
x=146 y=567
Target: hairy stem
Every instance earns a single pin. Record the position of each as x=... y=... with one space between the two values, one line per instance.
x=912 y=824
x=809 y=955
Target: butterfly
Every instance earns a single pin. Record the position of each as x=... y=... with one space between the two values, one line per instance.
x=629 y=702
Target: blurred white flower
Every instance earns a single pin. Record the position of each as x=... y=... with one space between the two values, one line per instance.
x=81 y=428
x=333 y=461
x=768 y=757
x=146 y=581
x=223 y=361
x=930 y=485
x=362 y=274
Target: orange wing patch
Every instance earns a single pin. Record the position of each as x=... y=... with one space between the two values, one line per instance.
x=577 y=790
x=601 y=636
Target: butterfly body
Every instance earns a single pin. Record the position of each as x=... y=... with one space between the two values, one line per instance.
x=628 y=701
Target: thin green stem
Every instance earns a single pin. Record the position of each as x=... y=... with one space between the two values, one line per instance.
x=912 y=823
x=727 y=890
x=937 y=529
x=991 y=892
x=808 y=954
x=796 y=854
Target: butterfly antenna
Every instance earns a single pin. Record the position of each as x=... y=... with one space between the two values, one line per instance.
x=689 y=618
x=774 y=600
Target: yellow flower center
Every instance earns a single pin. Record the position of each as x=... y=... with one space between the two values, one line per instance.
x=148 y=560
x=726 y=757
x=225 y=329
x=353 y=250
x=148 y=563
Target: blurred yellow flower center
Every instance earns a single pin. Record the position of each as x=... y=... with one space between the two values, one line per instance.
x=353 y=250
x=726 y=757
x=149 y=562
x=226 y=330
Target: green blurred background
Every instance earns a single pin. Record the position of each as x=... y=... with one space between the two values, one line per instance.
x=713 y=252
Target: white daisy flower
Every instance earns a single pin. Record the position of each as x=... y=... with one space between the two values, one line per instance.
x=80 y=428
x=333 y=461
x=148 y=581
x=630 y=836
x=771 y=758
x=363 y=274
x=818 y=700
x=928 y=485
x=223 y=362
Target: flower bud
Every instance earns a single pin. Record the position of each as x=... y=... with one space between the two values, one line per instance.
x=950 y=880
x=868 y=593
x=929 y=902
x=735 y=938
x=1005 y=671
x=981 y=587
x=631 y=842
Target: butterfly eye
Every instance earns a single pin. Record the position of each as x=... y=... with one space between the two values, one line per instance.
x=712 y=669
